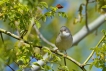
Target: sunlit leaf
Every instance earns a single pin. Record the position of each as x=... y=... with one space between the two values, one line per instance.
x=48 y=14
x=43 y=18
x=54 y=9
x=37 y=24
x=35 y=63
x=44 y=4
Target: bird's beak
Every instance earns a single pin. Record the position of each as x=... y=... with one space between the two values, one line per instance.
x=65 y=33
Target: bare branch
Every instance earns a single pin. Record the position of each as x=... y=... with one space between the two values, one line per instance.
x=42 y=38
x=11 y=68
x=2 y=37
x=92 y=26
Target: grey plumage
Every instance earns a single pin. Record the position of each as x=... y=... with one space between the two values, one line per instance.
x=64 y=40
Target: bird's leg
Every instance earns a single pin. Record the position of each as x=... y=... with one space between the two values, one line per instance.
x=65 y=58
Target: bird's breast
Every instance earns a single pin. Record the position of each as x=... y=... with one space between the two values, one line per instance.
x=64 y=43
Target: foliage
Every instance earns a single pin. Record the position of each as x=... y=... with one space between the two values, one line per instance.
x=18 y=14
x=100 y=55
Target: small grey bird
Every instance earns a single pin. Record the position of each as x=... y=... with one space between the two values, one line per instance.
x=64 y=40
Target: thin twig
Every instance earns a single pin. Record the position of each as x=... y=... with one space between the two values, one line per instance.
x=17 y=37
x=41 y=37
x=71 y=59
x=93 y=51
x=65 y=58
x=83 y=68
x=88 y=64
x=2 y=37
x=11 y=68
x=86 y=19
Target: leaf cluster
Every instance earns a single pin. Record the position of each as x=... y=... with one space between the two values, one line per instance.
x=100 y=55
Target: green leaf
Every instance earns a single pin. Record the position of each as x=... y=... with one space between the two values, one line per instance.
x=104 y=69
x=59 y=13
x=44 y=4
x=54 y=9
x=103 y=6
x=37 y=24
x=38 y=56
x=3 y=1
x=63 y=14
x=63 y=68
x=35 y=63
x=45 y=67
x=46 y=50
x=43 y=18
x=104 y=32
x=91 y=65
x=48 y=14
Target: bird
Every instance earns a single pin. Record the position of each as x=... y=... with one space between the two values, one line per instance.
x=64 y=40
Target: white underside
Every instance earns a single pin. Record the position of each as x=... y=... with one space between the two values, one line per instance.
x=65 y=33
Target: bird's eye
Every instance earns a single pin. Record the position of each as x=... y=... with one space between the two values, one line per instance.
x=64 y=29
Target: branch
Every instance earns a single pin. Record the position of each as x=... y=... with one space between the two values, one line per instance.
x=92 y=26
x=2 y=37
x=11 y=68
x=10 y=34
x=35 y=68
x=42 y=38
x=73 y=60
x=17 y=37
x=76 y=39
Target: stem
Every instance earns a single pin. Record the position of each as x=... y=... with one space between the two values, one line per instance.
x=93 y=51
x=86 y=17
x=17 y=37
x=71 y=59
x=11 y=68
x=81 y=66
x=83 y=69
x=2 y=37
x=41 y=36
